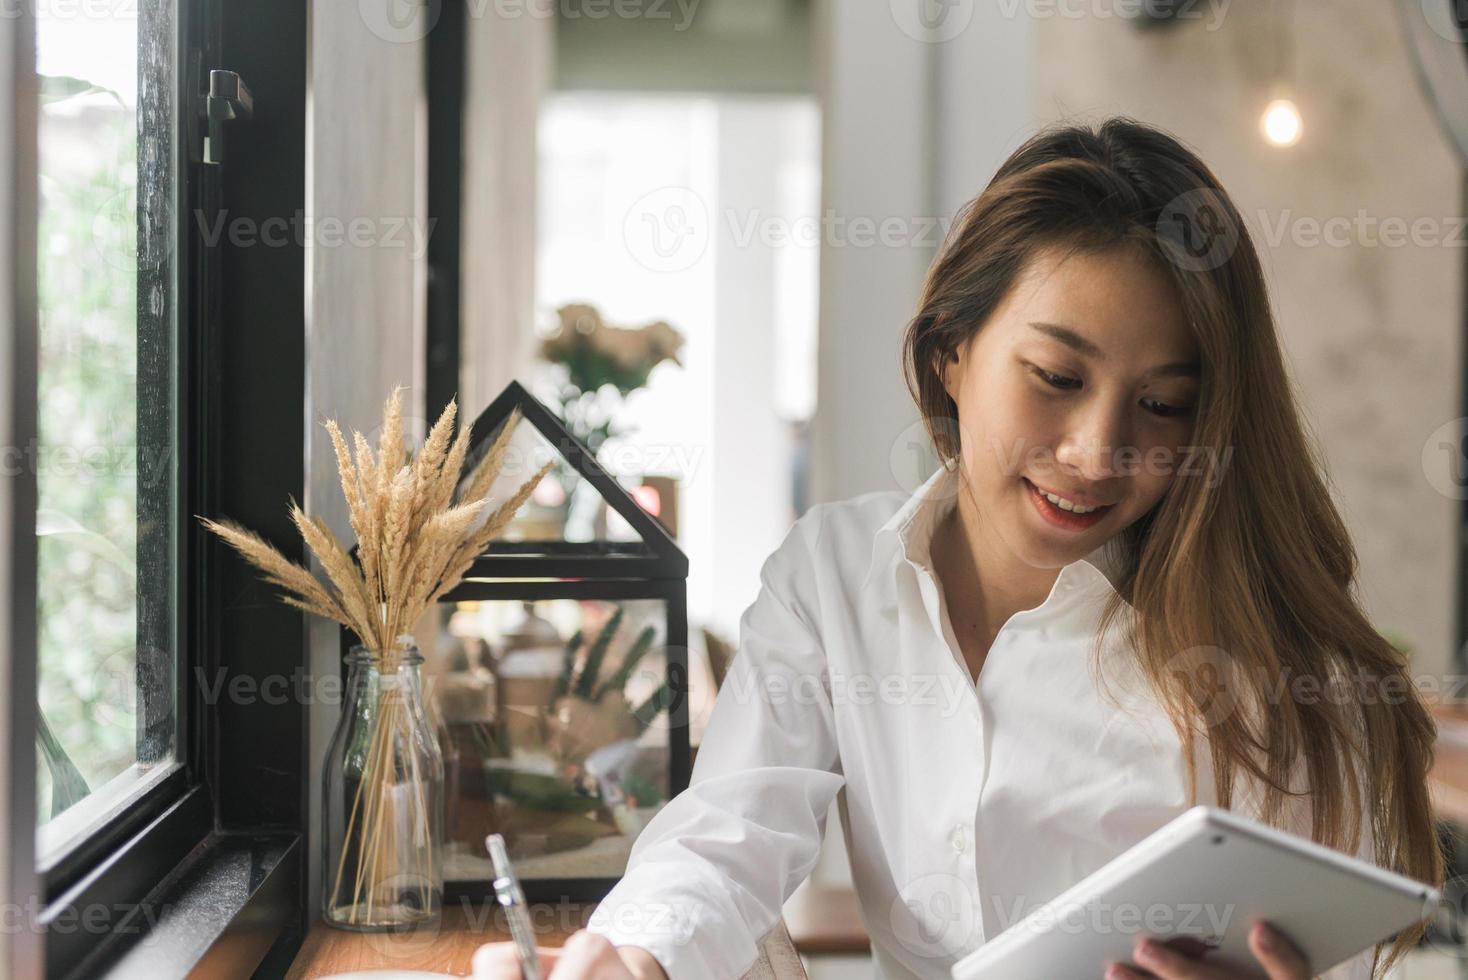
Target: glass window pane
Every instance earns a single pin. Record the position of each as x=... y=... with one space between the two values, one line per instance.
x=564 y=506
x=105 y=457
x=555 y=728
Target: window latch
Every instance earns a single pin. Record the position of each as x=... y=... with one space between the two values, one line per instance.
x=228 y=98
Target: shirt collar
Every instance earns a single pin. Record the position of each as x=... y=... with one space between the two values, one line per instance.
x=909 y=532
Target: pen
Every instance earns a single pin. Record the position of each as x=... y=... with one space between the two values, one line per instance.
x=507 y=890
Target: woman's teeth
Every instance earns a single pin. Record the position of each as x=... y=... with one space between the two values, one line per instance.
x=1064 y=504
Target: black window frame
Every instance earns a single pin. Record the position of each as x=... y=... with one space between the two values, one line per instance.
x=231 y=818
x=445 y=66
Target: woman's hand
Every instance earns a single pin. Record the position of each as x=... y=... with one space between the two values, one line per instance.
x=1275 y=953
x=586 y=956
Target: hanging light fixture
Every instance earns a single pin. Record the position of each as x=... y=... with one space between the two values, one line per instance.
x=1281 y=123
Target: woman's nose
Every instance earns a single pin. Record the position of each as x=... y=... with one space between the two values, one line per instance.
x=1095 y=447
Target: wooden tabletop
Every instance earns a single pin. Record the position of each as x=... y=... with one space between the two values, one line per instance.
x=820 y=921
x=446 y=948
x=1448 y=782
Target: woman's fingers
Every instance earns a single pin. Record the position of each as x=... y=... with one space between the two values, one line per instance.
x=1117 y=971
x=589 y=956
x=501 y=961
x=1279 y=957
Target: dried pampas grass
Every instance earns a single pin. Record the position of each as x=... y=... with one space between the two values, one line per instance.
x=417 y=532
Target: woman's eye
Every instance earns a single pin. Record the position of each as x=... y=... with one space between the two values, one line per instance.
x=1057 y=380
x=1165 y=410
x=1161 y=409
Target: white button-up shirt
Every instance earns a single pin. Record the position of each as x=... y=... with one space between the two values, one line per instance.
x=965 y=806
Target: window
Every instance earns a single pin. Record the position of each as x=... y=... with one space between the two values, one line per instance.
x=167 y=360
x=105 y=456
x=701 y=211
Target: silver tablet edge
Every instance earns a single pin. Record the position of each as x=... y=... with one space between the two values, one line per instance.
x=1183 y=824
x=1187 y=823
x=1407 y=887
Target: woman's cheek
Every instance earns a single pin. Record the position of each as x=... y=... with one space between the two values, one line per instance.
x=1152 y=471
x=1009 y=423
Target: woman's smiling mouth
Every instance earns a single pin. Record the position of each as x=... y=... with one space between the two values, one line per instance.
x=1063 y=512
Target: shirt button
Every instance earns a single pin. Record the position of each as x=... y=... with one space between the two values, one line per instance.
x=959 y=839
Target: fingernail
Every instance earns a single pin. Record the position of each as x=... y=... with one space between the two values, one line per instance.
x=1267 y=937
x=1146 y=950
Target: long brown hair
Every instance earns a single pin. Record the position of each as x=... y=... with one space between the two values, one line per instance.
x=1255 y=568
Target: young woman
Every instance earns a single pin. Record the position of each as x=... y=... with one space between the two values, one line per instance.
x=1126 y=590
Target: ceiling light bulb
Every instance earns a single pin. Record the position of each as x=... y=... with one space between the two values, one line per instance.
x=1281 y=123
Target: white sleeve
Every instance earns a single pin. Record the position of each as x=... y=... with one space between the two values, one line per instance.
x=709 y=874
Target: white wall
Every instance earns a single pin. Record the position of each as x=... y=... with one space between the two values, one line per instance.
x=876 y=135
x=917 y=119
x=508 y=64
x=1373 y=333
x=364 y=317
x=748 y=469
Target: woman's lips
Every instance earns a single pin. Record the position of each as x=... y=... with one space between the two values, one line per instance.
x=1064 y=519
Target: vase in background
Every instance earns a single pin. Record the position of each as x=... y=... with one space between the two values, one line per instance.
x=383 y=805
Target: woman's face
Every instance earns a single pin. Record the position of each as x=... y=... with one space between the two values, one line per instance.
x=1083 y=383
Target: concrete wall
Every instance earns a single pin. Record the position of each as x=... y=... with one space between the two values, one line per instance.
x=1373 y=332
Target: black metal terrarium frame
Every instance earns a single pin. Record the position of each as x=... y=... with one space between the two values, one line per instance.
x=651 y=567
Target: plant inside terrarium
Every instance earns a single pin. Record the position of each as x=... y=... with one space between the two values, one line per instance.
x=585 y=713
x=566 y=786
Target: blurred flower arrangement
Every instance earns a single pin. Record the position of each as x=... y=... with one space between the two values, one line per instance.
x=593 y=359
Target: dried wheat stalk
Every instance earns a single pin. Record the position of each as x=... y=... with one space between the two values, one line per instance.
x=417 y=535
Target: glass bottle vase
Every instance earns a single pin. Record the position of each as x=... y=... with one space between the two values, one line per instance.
x=383 y=806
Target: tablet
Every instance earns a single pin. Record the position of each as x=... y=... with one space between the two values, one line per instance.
x=1198 y=884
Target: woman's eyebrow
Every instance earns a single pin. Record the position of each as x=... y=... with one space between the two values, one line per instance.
x=1073 y=340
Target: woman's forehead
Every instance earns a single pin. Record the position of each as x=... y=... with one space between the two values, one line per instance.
x=1106 y=306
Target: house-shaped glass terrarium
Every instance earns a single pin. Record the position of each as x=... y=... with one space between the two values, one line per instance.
x=561 y=675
